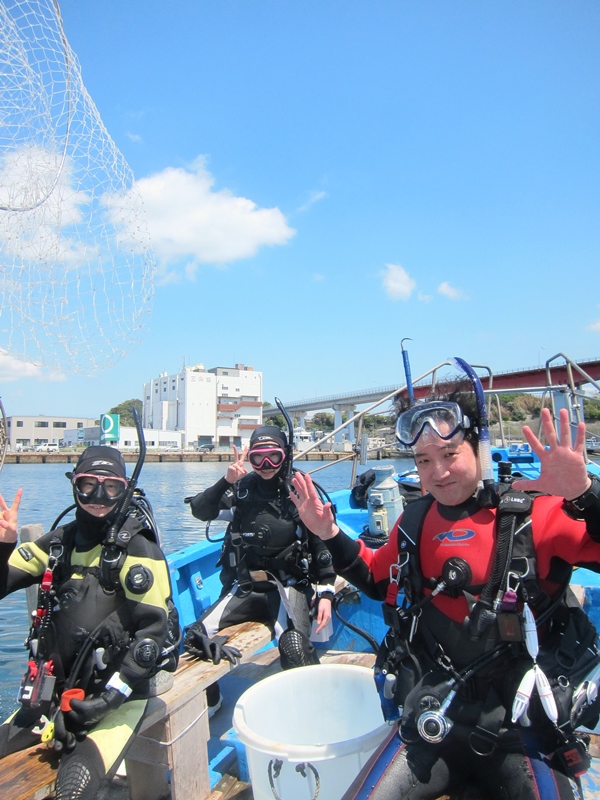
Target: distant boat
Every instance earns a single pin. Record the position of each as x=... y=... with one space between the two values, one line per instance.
x=592 y=444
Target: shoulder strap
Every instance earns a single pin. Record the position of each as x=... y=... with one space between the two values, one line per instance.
x=243 y=492
x=113 y=557
x=523 y=563
x=409 y=533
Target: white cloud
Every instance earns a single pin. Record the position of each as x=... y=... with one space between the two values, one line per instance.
x=189 y=221
x=317 y=277
x=397 y=282
x=594 y=326
x=424 y=298
x=134 y=137
x=450 y=292
x=314 y=197
x=12 y=369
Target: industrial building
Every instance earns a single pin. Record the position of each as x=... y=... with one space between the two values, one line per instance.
x=217 y=407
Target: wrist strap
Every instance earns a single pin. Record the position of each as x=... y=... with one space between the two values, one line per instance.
x=116 y=683
x=589 y=498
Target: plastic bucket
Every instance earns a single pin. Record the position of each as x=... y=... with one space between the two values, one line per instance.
x=308 y=731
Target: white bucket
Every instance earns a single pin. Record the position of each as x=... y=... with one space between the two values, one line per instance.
x=309 y=730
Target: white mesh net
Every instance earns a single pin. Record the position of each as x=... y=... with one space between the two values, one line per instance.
x=76 y=266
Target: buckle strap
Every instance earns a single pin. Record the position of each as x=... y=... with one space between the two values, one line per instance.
x=484 y=739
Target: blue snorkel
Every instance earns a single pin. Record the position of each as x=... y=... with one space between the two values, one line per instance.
x=409 y=384
x=488 y=497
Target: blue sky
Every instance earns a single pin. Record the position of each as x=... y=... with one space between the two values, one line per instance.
x=323 y=179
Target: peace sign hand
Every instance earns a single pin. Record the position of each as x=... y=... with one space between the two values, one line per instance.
x=236 y=469
x=9 y=519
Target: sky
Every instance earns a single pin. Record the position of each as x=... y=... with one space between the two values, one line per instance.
x=325 y=179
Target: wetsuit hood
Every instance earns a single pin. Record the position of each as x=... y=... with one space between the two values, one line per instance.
x=268 y=433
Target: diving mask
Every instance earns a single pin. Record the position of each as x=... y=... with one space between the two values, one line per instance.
x=105 y=490
x=444 y=419
x=266 y=457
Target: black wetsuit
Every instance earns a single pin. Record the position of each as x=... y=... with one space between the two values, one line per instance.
x=276 y=558
x=121 y=618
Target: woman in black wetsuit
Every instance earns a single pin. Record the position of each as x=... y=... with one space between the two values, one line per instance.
x=270 y=560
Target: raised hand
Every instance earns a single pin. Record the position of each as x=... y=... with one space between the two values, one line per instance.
x=316 y=515
x=9 y=519
x=236 y=469
x=563 y=469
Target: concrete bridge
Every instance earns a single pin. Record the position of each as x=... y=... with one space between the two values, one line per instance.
x=530 y=378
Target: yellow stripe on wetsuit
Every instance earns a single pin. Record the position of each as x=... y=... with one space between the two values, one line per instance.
x=160 y=589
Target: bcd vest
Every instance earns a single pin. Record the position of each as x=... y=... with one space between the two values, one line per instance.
x=424 y=649
x=264 y=535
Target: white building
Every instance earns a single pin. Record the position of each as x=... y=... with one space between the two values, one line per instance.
x=128 y=438
x=219 y=406
x=27 y=431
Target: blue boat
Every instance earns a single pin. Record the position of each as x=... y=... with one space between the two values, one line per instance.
x=196 y=582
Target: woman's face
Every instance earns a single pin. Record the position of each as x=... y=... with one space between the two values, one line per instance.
x=272 y=451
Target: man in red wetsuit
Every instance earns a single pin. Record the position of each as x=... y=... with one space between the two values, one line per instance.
x=473 y=655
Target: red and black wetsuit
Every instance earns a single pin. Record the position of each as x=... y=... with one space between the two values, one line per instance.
x=421 y=770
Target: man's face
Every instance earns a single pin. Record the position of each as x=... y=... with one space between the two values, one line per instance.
x=449 y=470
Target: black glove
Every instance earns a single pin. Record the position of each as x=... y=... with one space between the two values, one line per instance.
x=197 y=643
x=86 y=713
x=64 y=741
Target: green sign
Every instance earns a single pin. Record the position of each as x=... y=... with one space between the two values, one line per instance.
x=109 y=427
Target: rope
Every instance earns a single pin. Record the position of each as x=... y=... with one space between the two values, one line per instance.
x=179 y=735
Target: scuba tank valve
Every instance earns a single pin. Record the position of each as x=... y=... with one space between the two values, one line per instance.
x=384 y=501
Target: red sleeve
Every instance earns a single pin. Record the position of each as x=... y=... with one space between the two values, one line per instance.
x=557 y=535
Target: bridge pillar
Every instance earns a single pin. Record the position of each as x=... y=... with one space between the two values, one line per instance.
x=337 y=421
x=301 y=417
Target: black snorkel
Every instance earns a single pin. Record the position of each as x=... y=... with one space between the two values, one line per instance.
x=488 y=496
x=111 y=536
x=407 y=375
x=287 y=478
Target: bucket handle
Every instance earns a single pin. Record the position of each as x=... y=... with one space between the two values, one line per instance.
x=275 y=769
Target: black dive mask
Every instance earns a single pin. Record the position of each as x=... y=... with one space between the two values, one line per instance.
x=102 y=490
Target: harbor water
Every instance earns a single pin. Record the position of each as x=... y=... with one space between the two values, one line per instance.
x=46 y=492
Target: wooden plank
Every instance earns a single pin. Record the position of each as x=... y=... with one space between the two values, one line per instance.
x=193 y=676
x=28 y=774
x=190 y=778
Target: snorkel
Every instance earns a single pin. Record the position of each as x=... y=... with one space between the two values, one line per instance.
x=126 y=502
x=488 y=496
x=290 y=445
x=407 y=375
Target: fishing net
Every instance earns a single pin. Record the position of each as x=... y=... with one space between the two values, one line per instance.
x=76 y=266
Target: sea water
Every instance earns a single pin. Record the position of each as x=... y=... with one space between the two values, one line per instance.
x=47 y=492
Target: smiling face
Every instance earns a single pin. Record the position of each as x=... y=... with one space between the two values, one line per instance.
x=96 y=510
x=262 y=467
x=449 y=470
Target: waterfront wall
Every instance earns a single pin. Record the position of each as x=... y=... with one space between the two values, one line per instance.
x=153 y=457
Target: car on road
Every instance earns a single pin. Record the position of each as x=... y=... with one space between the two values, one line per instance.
x=206 y=448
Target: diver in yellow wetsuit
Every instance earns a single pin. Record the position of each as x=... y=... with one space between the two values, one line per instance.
x=104 y=624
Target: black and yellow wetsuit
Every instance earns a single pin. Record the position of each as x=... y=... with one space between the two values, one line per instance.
x=129 y=625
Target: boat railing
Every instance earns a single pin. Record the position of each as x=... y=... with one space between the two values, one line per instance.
x=431 y=378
